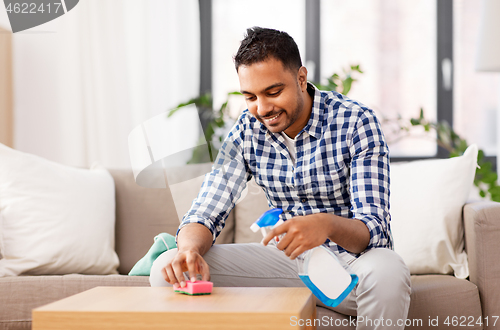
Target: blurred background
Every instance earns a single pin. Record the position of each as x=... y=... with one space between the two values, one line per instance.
x=74 y=88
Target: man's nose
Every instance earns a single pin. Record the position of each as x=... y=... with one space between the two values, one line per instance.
x=264 y=107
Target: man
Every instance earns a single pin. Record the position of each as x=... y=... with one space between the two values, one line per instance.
x=320 y=157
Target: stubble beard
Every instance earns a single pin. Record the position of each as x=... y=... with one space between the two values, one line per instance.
x=290 y=117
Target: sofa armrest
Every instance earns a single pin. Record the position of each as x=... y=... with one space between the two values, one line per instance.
x=482 y=242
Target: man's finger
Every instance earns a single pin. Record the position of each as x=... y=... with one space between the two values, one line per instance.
x=170 y=277
x=204 y=271
x=191 y=265
x=291 y=248
x=165 y=275
x=284 y=242
x=297 y=252
x=281 y=229
x=268 y=237
x=179 y=274
x=276 y=231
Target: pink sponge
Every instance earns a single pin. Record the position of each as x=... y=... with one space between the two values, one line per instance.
x=196 y=288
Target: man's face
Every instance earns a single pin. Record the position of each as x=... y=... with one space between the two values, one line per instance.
x=275 y=95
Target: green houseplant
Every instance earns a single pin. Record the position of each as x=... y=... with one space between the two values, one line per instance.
x=485 y=178
x=211 y=122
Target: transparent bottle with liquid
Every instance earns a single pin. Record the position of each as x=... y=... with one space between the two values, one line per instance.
x=326 y=274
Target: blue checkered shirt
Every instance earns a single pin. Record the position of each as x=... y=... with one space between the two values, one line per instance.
x=342 y=167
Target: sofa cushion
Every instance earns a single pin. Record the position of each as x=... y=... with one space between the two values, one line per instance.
x=427 y=198
x=55 y=219
x=19 y=295
x=440 y=296
x=328 y=319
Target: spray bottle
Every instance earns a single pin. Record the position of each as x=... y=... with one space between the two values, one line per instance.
x=327 y=275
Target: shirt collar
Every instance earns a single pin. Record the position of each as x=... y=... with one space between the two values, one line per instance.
x=314 y=126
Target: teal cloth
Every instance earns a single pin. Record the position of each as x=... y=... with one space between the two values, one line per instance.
x=162 y=242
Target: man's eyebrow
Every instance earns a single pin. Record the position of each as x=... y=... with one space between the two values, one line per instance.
x=266 y=89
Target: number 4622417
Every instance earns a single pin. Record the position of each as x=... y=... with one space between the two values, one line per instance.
x=33 y=8
x=464 y=321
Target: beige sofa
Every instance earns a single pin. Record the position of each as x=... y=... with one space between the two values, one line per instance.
x=142 y=213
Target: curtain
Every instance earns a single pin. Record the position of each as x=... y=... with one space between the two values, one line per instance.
x=6 y=87
x=99 y=71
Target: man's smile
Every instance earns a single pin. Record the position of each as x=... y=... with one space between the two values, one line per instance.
x=272 y=119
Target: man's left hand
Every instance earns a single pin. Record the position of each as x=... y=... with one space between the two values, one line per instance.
x=302 y=233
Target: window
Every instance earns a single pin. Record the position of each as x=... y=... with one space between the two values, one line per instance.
x=394 y=42
x=476 y=93
x=231 y=19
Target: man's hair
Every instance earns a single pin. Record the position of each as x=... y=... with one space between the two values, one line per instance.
x=260 y=44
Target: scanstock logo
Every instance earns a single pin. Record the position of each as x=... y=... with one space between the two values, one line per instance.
x=26 y=14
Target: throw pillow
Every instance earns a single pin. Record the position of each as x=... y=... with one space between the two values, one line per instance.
x=162 y=242
x=427 y=198
x=55 y=219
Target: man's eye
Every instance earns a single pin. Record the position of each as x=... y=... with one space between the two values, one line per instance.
x=275 y=93
x=250 y=98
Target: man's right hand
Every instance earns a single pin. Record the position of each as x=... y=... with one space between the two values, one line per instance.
x=185 y=261
x=193 y=241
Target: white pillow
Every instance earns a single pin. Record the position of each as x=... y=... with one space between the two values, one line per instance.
x=54 y=219
x=427 y=198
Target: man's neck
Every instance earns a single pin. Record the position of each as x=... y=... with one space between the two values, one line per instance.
x=306 y=113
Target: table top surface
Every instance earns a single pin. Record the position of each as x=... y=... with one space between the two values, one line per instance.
x=147 y=299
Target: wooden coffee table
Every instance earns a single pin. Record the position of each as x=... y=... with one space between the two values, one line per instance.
x=136 y=308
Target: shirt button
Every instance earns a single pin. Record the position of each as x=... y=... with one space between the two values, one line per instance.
x=303 y=200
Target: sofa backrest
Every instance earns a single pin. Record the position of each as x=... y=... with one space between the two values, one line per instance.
x=142 y=213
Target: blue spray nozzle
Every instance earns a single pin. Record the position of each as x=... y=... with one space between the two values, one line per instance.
x=269 y=218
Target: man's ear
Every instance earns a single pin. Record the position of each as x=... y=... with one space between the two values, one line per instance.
x=302 y=78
